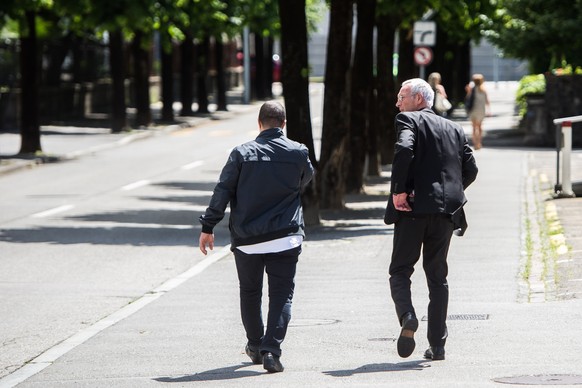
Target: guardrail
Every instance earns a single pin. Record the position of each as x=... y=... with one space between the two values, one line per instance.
x=564 y=142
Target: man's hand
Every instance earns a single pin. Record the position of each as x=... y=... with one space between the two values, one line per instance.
x=401 y=203
x=206 y=240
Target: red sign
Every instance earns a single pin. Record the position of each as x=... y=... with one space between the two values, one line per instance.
x=422 y=56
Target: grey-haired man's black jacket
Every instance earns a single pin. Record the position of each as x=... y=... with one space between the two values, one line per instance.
x=433 y=159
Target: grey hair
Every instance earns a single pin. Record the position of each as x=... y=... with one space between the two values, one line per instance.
x=420 y=86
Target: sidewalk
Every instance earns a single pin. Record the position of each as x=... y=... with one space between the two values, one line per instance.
x=60 y=143
x=504 y=328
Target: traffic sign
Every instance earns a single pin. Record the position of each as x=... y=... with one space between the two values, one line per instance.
x=424 y=33
x=422 y=56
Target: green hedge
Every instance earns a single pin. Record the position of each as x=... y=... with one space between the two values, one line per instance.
x=529 y=84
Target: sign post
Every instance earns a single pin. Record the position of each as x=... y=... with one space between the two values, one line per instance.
x=424 y=37
x=422 y=57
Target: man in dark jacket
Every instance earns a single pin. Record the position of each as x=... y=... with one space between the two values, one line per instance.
x=433 y=165
x=262 y=180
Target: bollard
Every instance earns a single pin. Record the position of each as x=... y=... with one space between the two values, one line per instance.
x=558 y=185
x=566 y=191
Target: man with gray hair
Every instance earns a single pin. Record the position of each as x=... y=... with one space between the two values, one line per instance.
x=263 y=180
x=433 y=165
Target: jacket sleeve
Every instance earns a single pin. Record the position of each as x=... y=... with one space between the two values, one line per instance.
x=403 y=152
x=469 y=165
x=224 y=192
x=308 y=170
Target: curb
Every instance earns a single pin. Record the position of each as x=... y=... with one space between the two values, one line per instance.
x=8 y=166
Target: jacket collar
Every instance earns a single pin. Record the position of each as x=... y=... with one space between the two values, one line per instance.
x=271 y=133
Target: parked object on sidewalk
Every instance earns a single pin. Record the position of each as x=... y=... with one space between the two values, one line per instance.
x=433 y=165
x=262 y=180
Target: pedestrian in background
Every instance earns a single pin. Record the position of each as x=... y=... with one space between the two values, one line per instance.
x=262 y=180
x=477 y=105
x=441 y=104
x=433 y=165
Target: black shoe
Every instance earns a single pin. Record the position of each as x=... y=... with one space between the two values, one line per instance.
x=435 y=353
x=271 y=363
x=255 y=355
x=406 y=344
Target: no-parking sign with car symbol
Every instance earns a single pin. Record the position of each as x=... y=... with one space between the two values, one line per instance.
x=422 y=56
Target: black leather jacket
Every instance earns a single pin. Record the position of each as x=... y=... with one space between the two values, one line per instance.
x=262 y=180
x=432 y=158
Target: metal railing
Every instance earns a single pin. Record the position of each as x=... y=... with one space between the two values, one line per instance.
x=564 y=142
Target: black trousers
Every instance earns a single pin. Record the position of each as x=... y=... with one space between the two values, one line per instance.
x=431 y=234
x=280 y=268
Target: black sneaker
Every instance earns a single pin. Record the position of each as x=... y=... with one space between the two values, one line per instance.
x=255 y=355
x=271 y=363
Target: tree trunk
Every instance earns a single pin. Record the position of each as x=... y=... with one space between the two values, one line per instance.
x=373 y=147
x=269 y=68
x=362 y=77
x=77 y=59
x=336 y=106
x=166 y=58
x=220 y=75
x=30 y=127
x=461 y=68
x=187 y=75
x=260 y=78
x=406 y=67
x=203 y=53
x=56 y=55
x=447 y=61
x=386 y=87
x=116 y=64
x=141 y=73
x=295 y=78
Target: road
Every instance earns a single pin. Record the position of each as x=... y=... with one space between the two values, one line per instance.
x=82 y=238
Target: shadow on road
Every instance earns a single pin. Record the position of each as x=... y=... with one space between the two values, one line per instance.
x=227 y=373
x=383 y=367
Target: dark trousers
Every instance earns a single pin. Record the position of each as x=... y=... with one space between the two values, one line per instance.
x=432 y=234
x=280 y=268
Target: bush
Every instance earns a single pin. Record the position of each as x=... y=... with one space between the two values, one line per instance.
x=528 y=85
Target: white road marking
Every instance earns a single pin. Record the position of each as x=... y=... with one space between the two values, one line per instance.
x=192 y=165
x=200 y=193
x=54 y=211
x=51 y=355
x=135 y=185
x=112 y=224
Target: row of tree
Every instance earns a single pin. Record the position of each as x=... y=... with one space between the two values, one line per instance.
x=49 y=31
x=360 y=86
x=360 y=82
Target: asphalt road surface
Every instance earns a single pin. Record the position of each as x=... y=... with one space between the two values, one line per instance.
x=81 y=239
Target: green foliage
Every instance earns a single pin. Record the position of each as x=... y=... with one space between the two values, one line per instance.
x=544 y=32
x=536 y=84
x=462 y=19
x=567 y=69
x=314 y=10
x=529 y=85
